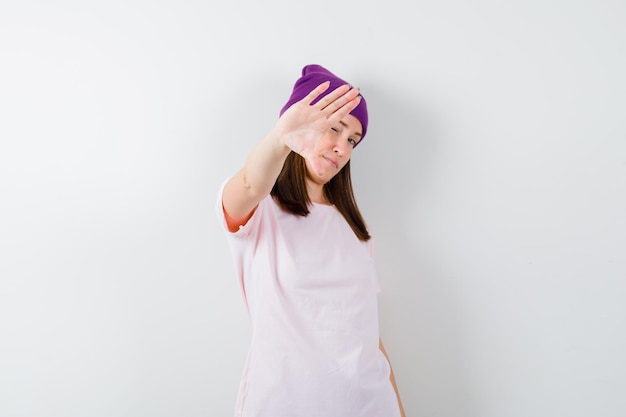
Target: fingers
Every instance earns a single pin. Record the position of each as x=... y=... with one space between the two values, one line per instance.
x=333 y=100
x=338 y=109
x=336 y=104
x=316 y=92
x=339 y=102
x=337 y=98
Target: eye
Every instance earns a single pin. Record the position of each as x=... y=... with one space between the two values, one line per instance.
x=352 y=141
x=334 y=129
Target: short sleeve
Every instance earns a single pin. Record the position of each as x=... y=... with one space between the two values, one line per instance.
x=251 y=225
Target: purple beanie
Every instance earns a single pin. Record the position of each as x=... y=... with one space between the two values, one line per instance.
x=314 y=75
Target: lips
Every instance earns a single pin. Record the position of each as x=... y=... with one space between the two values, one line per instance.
x=331 y=161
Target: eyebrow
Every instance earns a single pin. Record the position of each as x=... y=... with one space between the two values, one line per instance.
x=345 y=125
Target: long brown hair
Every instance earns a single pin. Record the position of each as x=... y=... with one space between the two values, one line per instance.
x=291 y=194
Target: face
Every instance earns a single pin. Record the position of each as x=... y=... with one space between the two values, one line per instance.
x=335 y=148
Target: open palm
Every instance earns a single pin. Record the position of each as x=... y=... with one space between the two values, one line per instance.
x=302 y=124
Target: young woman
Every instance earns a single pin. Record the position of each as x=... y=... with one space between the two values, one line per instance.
x=303 y=255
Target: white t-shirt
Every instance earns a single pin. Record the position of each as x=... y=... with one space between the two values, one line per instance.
x=310 y=288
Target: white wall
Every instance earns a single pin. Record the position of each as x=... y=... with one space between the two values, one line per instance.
x=493 y=177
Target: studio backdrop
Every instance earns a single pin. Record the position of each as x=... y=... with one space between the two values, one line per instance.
x=493 y=179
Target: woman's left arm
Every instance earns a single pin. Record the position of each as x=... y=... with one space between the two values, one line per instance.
x=392 y=378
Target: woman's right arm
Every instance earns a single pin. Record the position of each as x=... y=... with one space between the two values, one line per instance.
x=254 y=181
x=297 y=129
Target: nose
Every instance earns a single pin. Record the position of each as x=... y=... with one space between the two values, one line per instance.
x=340 y=147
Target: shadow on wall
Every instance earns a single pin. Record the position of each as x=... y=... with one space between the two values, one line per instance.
x=420 y=319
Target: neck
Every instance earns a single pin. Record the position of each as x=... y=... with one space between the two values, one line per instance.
x=316 y=193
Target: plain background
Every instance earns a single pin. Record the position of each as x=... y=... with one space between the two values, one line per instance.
x=493 y=178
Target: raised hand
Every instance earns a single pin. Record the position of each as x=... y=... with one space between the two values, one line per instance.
x=302 y=124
